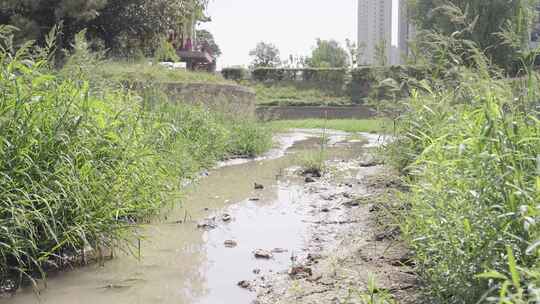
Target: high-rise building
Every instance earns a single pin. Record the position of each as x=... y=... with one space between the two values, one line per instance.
x=374 y=31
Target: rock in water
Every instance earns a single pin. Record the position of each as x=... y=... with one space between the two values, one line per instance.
x=262 y=254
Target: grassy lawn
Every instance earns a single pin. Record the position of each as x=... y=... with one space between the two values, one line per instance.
x=348 y=125
x=143 y=71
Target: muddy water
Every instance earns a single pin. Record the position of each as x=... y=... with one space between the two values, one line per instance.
x=184 y=264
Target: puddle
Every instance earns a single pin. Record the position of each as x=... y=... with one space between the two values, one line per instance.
x=184 y=264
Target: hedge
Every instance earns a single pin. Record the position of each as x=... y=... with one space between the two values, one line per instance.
x=236 y=74
x=334 y=75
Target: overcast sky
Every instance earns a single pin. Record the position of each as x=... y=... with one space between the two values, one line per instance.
x=292 y=25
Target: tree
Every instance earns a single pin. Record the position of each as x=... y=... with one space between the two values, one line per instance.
x=115 y=22
x=354 y=52
x=328 y=54
x=206 y=38
x=35 y=18
x=480 y=21
x=381 y=54
x=265 y=55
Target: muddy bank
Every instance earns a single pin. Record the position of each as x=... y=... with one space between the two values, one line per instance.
x=243 y=227
x=346 y=246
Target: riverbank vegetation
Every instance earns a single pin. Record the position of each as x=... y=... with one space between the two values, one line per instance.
x=82 y=163
x=381 y=125
x=468 y=143
x=292 y=95
x=145 y=71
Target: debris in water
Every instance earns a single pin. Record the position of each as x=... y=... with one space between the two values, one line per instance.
x=208 y=224
x=348 y=195
x=353 y=203
x=310 y=179
x=226 y=217
x=262 y=254
x=244 y=284
x=279 y=250
x=230 y=243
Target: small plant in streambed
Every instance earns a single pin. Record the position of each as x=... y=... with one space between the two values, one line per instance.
x=375 y=295
x=248 y=138
x=313 y=163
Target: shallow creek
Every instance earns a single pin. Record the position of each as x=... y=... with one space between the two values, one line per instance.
x=182 y=263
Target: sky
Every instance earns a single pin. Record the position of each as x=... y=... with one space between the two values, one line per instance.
x=292 y=25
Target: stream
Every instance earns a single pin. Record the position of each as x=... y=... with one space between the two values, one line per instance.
x=183 y=263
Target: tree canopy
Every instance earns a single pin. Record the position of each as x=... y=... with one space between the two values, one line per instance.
x=116 y=23
x=328 y=54
x=265 y=55
x=206 y=38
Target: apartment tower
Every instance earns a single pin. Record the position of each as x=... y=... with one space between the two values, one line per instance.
x=374 y=31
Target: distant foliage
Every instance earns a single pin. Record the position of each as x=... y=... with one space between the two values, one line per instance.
x=265 y=55
x=236 y=74
x=166 y=52
x=206 y=38
x=328 y=54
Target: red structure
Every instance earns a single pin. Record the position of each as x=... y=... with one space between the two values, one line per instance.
x=197 y=56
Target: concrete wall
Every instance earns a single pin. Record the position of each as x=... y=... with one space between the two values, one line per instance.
x=291 y=113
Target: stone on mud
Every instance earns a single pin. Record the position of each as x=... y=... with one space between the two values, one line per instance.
x=310 y=179
x=312 y=172
x=299 y=272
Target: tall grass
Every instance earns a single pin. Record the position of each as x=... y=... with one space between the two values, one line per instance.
x=471 y=152
x=81 y=165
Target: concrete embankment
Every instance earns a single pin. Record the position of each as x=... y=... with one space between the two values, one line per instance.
x=291 y=112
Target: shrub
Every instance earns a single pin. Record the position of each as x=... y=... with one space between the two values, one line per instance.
x=236 y=74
